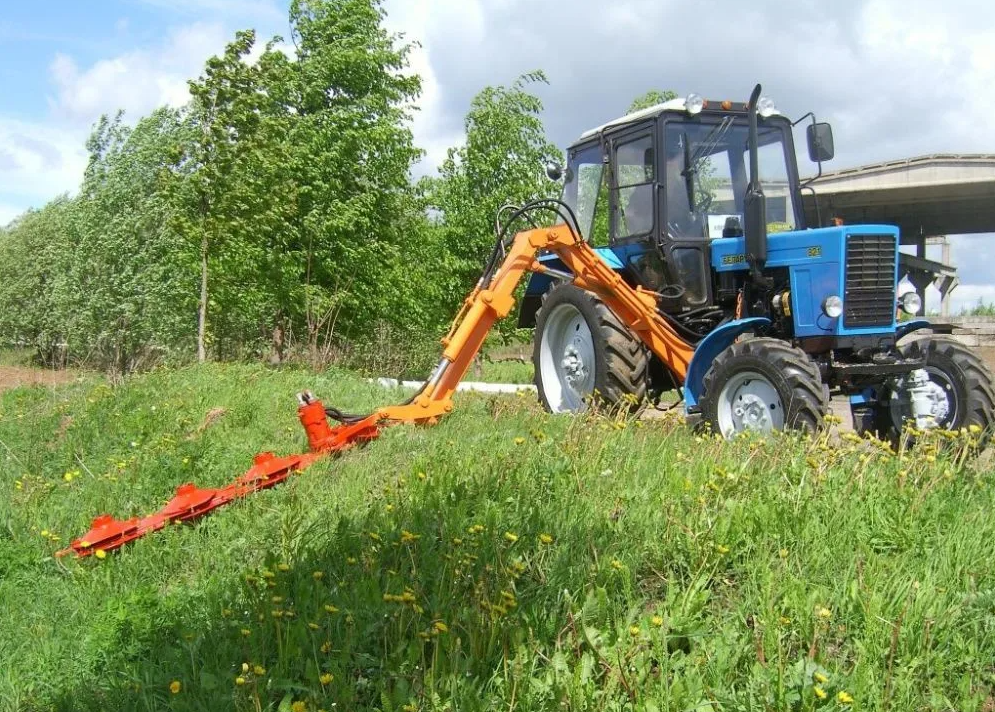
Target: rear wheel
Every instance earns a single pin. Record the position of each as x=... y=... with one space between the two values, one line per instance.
x=581 y=348
x=762 y=385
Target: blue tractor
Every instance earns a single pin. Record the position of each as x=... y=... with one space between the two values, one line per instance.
x=781 y=314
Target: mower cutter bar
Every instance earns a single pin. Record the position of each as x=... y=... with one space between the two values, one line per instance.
x=190 y=502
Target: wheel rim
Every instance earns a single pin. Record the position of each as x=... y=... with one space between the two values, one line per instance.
x=749 y=402
x=947 y=406
x=566 y=359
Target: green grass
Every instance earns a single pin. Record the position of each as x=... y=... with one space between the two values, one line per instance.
x=505 y=559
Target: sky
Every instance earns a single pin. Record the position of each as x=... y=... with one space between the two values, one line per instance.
x=896 y=78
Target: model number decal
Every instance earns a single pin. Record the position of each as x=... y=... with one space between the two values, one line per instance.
x=815 y=251
x=733 y=259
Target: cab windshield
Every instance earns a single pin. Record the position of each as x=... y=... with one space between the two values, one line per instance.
x=706 y=175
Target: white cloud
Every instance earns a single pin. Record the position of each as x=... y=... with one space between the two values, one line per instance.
x=137 y=81
x=411 y=17
x=37 y=163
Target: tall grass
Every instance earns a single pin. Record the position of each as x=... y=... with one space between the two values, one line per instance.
x=505 y=559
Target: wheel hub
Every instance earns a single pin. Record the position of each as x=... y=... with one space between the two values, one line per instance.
x=749 y=402
x=751 y=413
x=920 y=398
x=573 y=365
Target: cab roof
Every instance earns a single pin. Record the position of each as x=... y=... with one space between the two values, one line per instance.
x=679 y=104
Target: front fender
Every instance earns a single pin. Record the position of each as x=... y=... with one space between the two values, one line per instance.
x=908 y=327
x=710 y=347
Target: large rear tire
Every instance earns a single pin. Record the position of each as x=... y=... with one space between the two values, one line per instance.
x=761 y=385
x=960 y=376
x=580 y=349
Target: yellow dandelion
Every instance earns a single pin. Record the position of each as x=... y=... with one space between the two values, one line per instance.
x=299 y=706
x=283 y=567
x=820 y=678
x=325 y=678
x=422 y=476
x=326 y=647
x=657 y=621
x=239 y=680
x=313 y=626
x=723 y=550
x=519 y=441
x=545 y=539
x=617 y=565
x=246 y=632
x=350 y=560
x=374 y=536
x=844 y=697
x=44 y=532
x=68 y=477
x=245 y=667
x=633 y=630
x=819 y=692
x=410 y=707
x=510 y=537
x=175 y=686
x=784 y=620
x=389 y=508
x=407 y=536
x=783 y=553
x=317 y=575
x=440 y=627
x=277 y=599
x=258 y=670
x=100 y=554
x=823 y=612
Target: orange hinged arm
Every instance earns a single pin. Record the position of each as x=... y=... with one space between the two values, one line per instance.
x=636 y=308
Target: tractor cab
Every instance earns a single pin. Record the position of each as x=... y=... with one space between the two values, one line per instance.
x=656 y=186
x=653 y=189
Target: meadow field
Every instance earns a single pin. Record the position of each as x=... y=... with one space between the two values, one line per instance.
x=504 y=559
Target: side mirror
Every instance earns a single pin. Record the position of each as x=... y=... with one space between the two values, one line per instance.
x=554 y=171
x=820 y=142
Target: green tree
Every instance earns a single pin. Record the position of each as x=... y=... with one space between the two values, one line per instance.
x=650 y=98
x=351 y=152
x=227 y=110
x=502 y=161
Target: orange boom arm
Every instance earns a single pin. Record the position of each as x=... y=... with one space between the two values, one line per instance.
x=636 y=308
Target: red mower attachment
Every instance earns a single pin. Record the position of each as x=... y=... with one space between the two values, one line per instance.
x=191 y=502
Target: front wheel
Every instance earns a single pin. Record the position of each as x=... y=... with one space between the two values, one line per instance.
x=955 y=386
x=761 y=385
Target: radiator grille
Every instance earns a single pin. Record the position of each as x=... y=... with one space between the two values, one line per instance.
x=869 y=296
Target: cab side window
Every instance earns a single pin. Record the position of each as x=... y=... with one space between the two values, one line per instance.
x=635 y=176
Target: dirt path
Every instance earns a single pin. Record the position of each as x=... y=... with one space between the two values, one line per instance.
x=14 y=376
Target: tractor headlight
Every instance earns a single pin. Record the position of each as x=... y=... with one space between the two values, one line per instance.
x=765 y=107
x=693 y=104
x=911 y=303
x=832 y=307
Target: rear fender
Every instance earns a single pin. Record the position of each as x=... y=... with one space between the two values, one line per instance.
x=710 y=347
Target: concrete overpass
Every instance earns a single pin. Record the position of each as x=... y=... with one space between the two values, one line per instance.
x=928 y=198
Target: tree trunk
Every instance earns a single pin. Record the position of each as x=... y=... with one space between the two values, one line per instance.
x=202 y=310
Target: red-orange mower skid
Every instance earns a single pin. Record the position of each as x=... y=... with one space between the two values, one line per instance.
x=191 y=502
